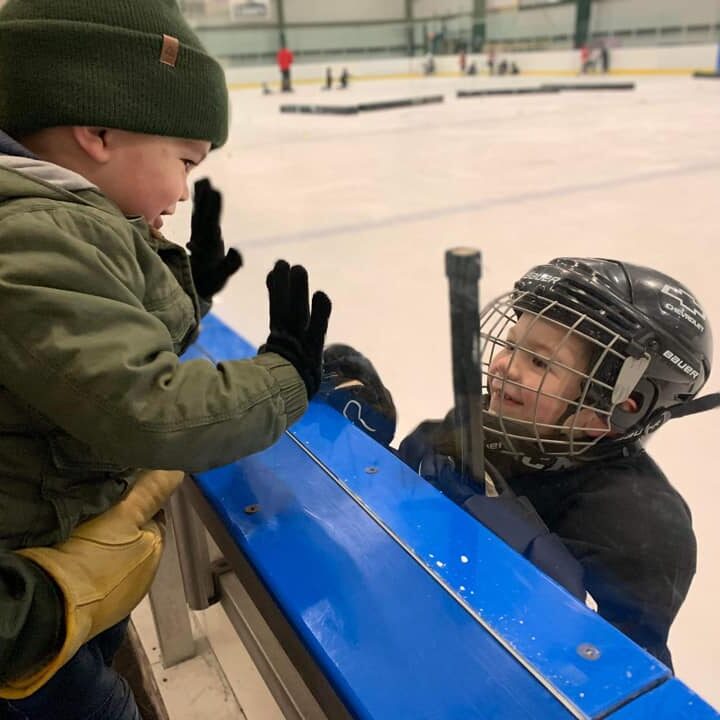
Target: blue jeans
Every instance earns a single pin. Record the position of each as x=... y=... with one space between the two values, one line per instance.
x=86 y=688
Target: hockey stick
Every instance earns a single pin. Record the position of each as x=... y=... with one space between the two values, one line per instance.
x=463 y=267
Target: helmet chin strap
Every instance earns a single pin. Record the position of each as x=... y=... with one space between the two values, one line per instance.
x=698 y=405
x=660 y=417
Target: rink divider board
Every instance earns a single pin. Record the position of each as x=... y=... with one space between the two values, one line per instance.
x=492 y=92
x=320 y=109
x=409 y=606
x=561 y=87
x=405 y=102
x=361 y=107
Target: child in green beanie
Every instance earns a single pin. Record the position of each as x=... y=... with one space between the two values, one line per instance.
x=105 y=108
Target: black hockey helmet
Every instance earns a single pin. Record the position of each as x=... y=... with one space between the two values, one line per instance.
x=650 y=336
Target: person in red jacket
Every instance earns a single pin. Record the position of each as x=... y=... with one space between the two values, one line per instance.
x=584 y=59
x=285 y=60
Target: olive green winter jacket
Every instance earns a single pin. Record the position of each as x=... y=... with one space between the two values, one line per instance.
x=95 y=310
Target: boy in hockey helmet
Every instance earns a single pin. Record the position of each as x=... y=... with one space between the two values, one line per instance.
x=581 y=361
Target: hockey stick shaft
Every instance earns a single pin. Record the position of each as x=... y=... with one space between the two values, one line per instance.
x=463 y=267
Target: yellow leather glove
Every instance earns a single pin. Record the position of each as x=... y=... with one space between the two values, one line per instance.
x=103 y=569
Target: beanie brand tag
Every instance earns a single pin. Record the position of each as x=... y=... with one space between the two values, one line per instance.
x=170 y=50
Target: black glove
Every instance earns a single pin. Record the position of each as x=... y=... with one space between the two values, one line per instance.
x=352 y=386
x=444 y=475
x=211 y=265
x=296 y=333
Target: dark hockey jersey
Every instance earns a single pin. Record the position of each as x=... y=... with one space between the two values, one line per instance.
x=622 y=520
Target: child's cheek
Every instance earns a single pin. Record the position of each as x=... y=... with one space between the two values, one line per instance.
x=547 y=411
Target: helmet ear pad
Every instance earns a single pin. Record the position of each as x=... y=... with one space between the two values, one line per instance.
x=595 y=425
x=644 y=398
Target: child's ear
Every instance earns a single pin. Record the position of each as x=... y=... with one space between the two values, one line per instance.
x=93 y=140
x=594 y=425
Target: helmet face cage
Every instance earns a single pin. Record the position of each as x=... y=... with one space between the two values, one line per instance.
x=531 y=412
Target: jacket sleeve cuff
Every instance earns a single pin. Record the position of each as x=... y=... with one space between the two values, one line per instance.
x=292 y=388
x=38 y=636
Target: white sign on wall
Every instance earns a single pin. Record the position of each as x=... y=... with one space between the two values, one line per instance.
x=249 y=8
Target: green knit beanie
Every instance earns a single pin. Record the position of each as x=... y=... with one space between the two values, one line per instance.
x=128 y=64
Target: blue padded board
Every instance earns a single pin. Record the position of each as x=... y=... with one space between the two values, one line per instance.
x=671 y=700
x=411 y=607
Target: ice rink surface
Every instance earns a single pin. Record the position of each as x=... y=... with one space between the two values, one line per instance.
x=369 y=203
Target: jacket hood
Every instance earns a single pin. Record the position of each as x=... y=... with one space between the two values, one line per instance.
x=22 y=174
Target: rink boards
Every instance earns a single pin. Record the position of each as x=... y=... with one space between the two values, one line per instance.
x=407 y=606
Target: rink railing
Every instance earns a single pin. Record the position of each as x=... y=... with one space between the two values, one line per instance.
x=362 y=592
